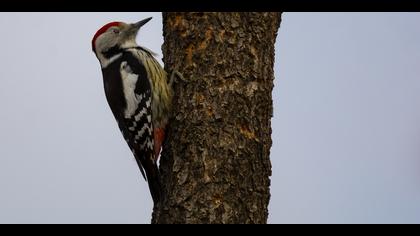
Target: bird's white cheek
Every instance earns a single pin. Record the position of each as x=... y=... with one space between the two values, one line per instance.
x=105 y=61
x=130 y=43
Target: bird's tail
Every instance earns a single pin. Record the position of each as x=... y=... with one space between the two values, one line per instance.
x=152 y=178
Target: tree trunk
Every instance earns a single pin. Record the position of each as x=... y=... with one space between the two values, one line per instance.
x=215 y=164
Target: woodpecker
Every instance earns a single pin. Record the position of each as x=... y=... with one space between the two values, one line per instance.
x=138 y=93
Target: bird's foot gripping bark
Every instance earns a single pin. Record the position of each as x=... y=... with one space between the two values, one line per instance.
x=176 y=77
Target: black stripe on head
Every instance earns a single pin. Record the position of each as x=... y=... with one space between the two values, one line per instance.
x=112 y=51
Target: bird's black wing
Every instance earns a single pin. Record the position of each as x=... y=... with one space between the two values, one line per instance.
x=138 y=129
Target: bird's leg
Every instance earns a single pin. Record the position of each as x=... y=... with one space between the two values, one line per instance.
x=176 y=77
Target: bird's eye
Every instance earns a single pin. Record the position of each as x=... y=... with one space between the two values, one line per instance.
x=116 y=31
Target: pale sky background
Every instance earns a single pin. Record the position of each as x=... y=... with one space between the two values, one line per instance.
x=346 y=125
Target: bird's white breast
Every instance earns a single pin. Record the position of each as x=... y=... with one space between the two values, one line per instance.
x=129 y=80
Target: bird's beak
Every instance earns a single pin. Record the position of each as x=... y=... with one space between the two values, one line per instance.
x=139 y=24
x=134 y=28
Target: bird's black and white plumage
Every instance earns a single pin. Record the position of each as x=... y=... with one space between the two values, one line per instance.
x=137 y=93
x=128 y=92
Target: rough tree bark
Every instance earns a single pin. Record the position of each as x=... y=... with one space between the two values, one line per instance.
x=215 y=163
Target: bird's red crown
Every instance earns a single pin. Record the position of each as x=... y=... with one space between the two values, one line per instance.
x=102 y=30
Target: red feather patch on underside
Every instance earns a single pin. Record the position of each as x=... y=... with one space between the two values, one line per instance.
x=102 y=30
x=159 y=136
